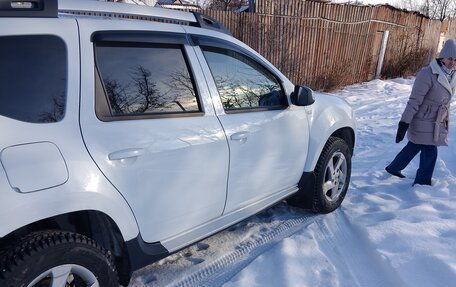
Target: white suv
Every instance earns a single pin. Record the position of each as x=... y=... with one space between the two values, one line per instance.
x=125 y=139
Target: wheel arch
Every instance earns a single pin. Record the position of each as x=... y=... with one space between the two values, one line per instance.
x=348 y=135
x=305 y=196
x=345 y=133
x=91 y=223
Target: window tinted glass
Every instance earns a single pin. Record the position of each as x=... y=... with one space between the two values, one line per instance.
x=146 y=80
x=33 y=73
x=241 y=82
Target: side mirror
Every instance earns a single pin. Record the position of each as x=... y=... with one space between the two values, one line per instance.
x=302 y=96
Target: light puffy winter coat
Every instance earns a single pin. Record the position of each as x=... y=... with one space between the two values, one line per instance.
x=427 y=109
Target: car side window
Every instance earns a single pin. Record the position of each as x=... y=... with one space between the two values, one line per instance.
x=144 y=80
x=242 y=83
x=33 y=78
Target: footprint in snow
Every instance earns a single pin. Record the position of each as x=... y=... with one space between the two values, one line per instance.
x=195 y=261
x=202 y=246
x=148 y=278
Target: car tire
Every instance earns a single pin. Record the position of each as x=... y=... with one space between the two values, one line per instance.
x=332 y=176
x=56 y=258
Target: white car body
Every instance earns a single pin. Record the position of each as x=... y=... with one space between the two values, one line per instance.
x=164 y=182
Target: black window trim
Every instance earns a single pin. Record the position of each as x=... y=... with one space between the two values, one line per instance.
x=207 y=41
x=203 y=40
x=133 y=39
x=137 y=36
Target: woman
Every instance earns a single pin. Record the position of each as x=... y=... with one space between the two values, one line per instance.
x=426 y=116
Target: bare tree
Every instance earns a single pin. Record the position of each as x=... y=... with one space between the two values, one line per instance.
x=146 y=90
x=441 y=9
x=434 y=9
x=225 y=5
x=181 y=89
x=181 y=83
x=117 y=96
x=56 y=113
x=246 y=92
x=139 y=96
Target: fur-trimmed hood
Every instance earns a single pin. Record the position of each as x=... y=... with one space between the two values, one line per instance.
x=442 y=79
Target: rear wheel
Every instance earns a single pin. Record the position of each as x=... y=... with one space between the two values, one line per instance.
x=57 y=259
x=332 y=174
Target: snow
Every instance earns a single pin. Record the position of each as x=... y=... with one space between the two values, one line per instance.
x=386 y=233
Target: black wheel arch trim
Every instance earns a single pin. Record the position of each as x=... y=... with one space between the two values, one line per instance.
x=306 y=191
x=142 y=253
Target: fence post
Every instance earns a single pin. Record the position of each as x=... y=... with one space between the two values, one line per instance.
x=382 y=54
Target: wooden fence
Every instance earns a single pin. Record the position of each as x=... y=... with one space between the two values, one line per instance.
x=326 y=45
x=450 y=29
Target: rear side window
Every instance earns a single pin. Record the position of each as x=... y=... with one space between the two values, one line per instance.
x=33 y=78
x=144 y=80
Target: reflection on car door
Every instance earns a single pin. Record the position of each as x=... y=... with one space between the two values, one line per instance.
x=268 y=142
x=154 y=135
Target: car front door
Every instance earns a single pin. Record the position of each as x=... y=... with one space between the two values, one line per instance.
x=267 y=138
x=151 y=127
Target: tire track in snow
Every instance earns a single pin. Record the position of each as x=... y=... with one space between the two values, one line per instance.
x=353 y=249
x=224 y=268
x=347 y=248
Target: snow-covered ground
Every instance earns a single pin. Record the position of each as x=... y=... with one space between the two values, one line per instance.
x=387 y=232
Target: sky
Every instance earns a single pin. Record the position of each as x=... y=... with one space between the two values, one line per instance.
x=386 y=233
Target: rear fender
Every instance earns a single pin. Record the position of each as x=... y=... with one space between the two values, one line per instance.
x=98 y=195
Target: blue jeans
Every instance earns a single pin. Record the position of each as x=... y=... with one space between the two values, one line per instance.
x=428 y=157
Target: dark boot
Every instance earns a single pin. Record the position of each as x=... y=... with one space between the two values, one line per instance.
x=393 y=172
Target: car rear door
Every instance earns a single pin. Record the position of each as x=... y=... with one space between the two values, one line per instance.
x=148 y=122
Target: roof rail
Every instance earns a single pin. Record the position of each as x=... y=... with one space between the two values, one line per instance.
x=51 y=8
x=123 y=9
x=28 y=8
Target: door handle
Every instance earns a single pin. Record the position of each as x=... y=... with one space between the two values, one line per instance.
x=240 y=136
x=126 y=153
